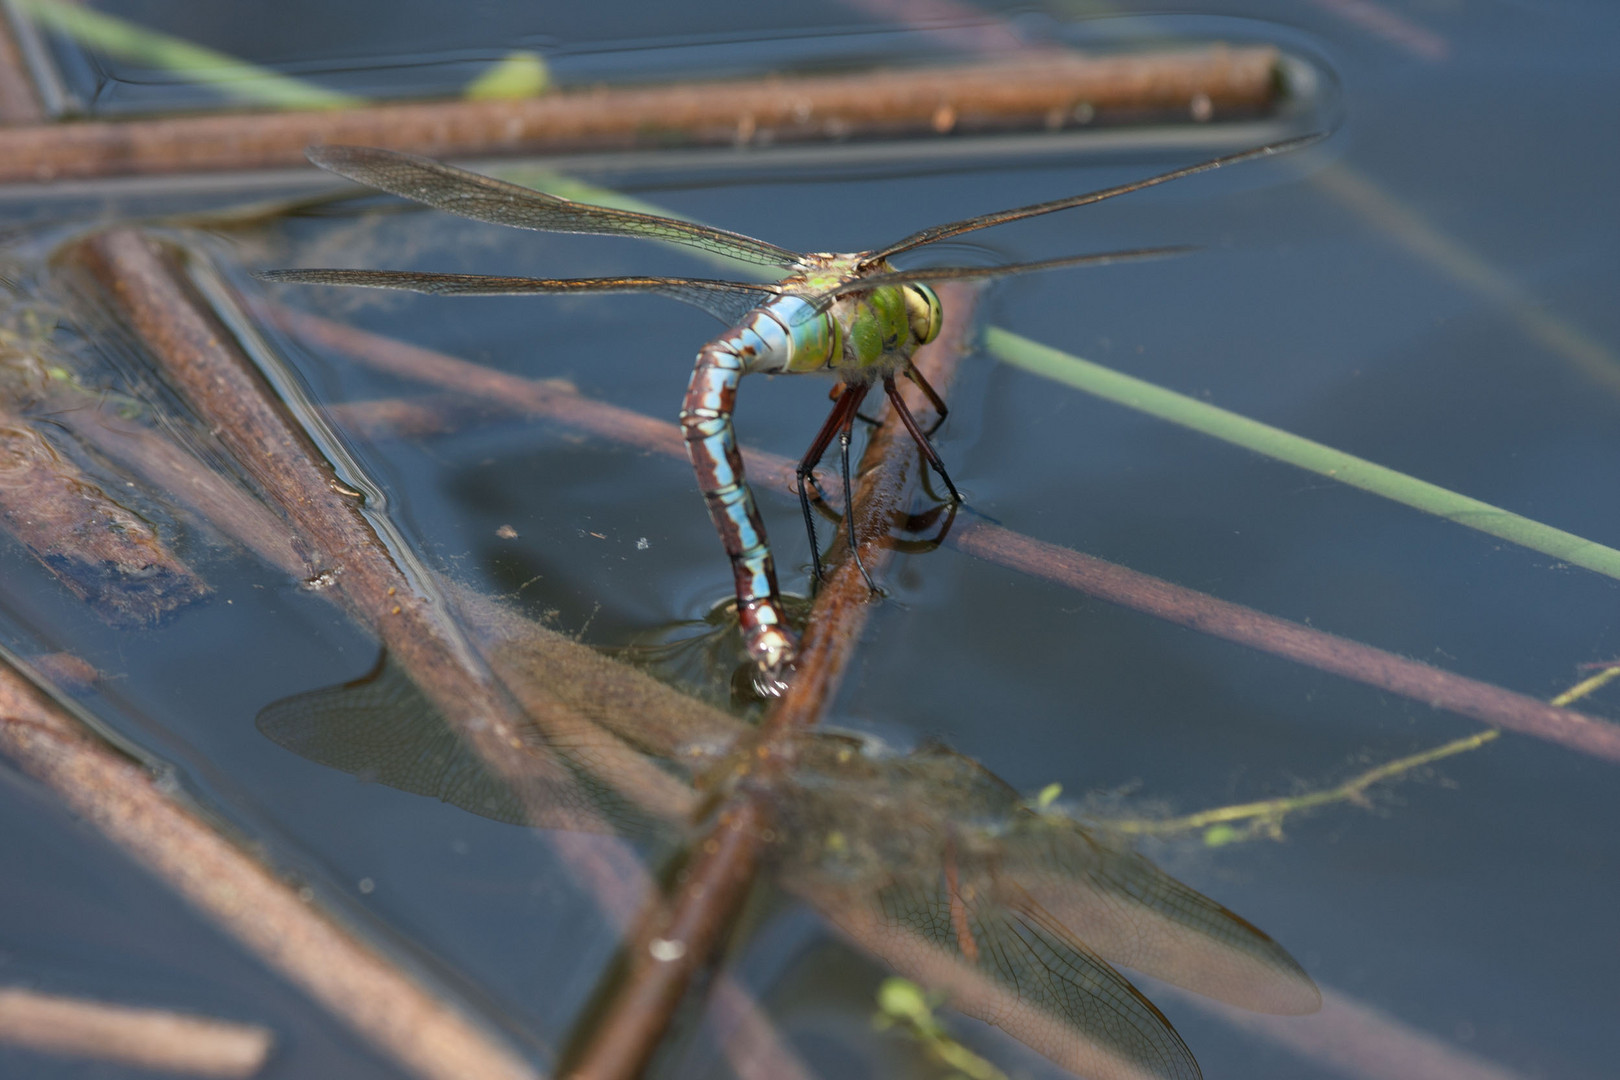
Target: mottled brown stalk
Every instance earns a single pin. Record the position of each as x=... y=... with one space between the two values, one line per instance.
x=551 y=398
x=1042 y=93
x=713 y=886
x=156 y=1039
x=174 y=473
x=1481 y=701
x=100 y=550
x=403 y=1021
x=397 y=418
x=1353 y=1039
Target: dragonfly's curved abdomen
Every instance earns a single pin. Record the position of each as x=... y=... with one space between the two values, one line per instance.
x=780 y=336
x=861 y=337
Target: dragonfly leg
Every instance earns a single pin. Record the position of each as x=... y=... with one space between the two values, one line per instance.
x=848 y=400
x=849 y=495
x=933 y=397
x=926 y=447
x=711 y=443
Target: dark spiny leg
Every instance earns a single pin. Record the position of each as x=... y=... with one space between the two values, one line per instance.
x=927 y=448
x=849 y=399
x=849 y=500
x=933 y=398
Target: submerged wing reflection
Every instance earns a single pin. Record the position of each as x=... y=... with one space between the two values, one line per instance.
x=381 y=728
x=934 y=864
x=926 y=860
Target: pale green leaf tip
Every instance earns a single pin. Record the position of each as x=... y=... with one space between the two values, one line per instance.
x=1049 y=795
x=902 y=998
x=520 y=75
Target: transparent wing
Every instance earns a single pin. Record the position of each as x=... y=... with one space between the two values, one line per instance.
x=985 y=221
x=381 y=728
x=727 y=301
x=967 y=273
x=483 y=198
x=998 y=956
x=1122 y=906
x=1134 y=914
x=936 y=866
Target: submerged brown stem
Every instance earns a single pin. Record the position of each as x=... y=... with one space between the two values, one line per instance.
x=397 y=1016
x=1039 y=93
x=157 y=1039
x=100 y=550
x=1482 y=701
x=715 y=883
x=167 y=467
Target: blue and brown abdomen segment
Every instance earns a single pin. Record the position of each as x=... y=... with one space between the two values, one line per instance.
x=775 y=337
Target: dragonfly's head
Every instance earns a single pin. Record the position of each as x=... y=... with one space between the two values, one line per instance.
x=924 y=312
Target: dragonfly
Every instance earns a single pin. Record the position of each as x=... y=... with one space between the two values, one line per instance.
x=854 y=316
x=1016 y=911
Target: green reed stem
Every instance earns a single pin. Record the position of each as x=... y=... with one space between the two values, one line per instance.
x=1295 y=450
x=232 y=77
x=1274 y=810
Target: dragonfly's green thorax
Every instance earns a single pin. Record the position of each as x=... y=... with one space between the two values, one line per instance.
x=863 y=335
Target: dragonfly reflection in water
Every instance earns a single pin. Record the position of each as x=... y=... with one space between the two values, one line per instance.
x=927 y=860
x=852 y=315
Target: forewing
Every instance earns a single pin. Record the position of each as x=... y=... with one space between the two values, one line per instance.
x=382 y=728
x=985 y=221
x=998 y=956
x=484 y=198
x=1136 y=915
x=971 y=273
x=727 y=301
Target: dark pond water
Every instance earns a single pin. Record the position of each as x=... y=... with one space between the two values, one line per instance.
x=1430 y=289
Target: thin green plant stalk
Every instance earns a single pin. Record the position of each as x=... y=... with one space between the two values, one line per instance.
x=1267 y=814
x=1587 y=686
x=234 y=78
x=1270 y=812
x=1275 y=443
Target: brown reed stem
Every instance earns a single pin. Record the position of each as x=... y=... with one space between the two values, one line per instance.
x=1044 y=93
x=100 y=550
x=1493 y=705
x=715 y=884
x=156 y=1039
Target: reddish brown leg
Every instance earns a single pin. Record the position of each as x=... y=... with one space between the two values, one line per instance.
x=849 y=500
x=933 y=397
x=923 y=445
x=843 y=411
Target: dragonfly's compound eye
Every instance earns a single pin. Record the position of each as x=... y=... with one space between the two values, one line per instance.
x=922 y=308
